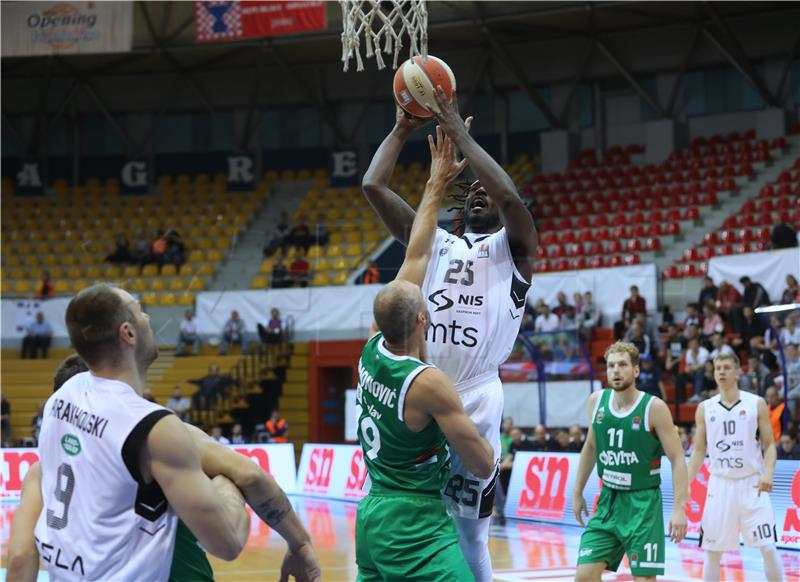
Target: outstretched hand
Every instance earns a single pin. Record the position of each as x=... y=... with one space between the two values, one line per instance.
x=445 y=166
x=446 y=111
x=408 y=121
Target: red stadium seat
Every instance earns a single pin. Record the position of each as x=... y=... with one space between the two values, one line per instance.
x=631 y=259
x=600 y=220
x=691 y=214
x=614 y=261
x=614 y=246
x=542 y=266
x=639 y=231
x=601 y=234
x=620 y=232
x=596 y=262
x=655 y=229
x=594 y=248
x=724 y=250
x=747 y=220
x=577 y=264
x=673 y=228
x=652 y=244
x=711 y=238
x=567 y=237
x=633 y=245
x=690 y=255
x=765 y=205
x=656 y=216
x=541 y=252
x=670 y=272
x=731 y=222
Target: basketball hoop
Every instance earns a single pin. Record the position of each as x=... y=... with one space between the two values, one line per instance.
x=384 y=21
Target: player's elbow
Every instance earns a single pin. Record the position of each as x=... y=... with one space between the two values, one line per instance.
x=370 y=188
x=227 y=551
x=22 y=561
x=485 y=470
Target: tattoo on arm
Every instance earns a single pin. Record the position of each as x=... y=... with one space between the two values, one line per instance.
x=272 y=510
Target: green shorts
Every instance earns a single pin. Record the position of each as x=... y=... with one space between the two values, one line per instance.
x=407 y=537
x=626 y=522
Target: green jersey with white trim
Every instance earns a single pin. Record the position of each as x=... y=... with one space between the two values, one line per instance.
x=397 y=458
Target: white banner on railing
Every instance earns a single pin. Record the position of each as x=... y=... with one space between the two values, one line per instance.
x=565 y=406
x=768 y=268
x=48 y=28
x=19 y=313
x=334 y=471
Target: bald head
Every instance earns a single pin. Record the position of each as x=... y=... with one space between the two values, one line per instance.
x=396 y=308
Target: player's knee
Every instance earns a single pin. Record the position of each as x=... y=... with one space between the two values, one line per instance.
x=589 y=572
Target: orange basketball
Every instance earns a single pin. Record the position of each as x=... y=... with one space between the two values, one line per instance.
x=414 y=82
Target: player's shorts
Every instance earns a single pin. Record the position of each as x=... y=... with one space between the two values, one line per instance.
x=733 y=506
x=407 y=537
x=626 y=522
x=466 y=494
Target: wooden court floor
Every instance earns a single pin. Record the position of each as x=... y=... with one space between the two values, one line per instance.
x=520 y=550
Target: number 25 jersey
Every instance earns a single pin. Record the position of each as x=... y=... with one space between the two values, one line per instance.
x=476 y=298
x=99 y=521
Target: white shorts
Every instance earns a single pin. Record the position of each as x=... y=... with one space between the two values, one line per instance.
x=733 y=506
x=467 y=495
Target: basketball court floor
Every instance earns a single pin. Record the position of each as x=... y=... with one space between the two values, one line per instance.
x=521 y=550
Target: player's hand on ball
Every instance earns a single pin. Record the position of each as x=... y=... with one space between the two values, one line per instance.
x=677 y=525
x=446 y=111
x=302 y=564
x=408 y=121
x=764 y=485
x=579 y=508
x=444 y=164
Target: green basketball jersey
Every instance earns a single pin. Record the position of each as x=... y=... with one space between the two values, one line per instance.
x=189 y=560
x=397 y=459
x=628 y=453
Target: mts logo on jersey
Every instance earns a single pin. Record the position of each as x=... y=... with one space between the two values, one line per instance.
x=544 y=494
x=357 y=476
x=320 y=463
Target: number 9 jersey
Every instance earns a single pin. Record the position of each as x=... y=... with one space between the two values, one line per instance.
x=99 y=520
x=476 y=299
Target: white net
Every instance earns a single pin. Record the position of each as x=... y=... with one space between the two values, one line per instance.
x=386 y=21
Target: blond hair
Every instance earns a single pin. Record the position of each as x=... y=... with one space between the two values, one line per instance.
x=728 y=356
x=624 y=348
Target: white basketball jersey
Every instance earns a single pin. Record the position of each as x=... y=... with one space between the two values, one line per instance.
x=476 y=298
x=731 y=436
x=99 y=522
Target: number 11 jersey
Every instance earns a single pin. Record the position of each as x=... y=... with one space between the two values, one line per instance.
x=476 y=298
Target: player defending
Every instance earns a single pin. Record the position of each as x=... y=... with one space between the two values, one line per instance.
x=629 y=430
x=475 y=286
x=116 y=470
x=735 y=421
x=408 y=414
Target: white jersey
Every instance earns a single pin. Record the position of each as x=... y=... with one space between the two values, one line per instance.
x=476 y=298
x=99 y=521
x=731 y=437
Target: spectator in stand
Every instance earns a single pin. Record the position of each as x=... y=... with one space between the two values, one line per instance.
x=728 y=300
x=234 y=332
x=546 y=321
x=758 y=378
x=692 y=317
x=792 y=292
x=693 y=362
x=216 y=434
x=211 y=387
x=675 y=343
x=158 y=249
x=790 y=334
x=560 y=308
x=279 y=237
x=141 y=252
x=650 y=377
x=788 y=448
x=371 y=275
x=569 y=320
x=649 y=329
x=237 y=438
x=564 y=443
x=632 y=305
x=122 y=253
x=751 y=331
x=280 y=275
x=188 y=335
x=754 y=293
x=577 y=436
x=44 y=290
x=719 y=345
x=300 y=234
x=712 y=322
x=772 y=334
x=541 y=440
x=577 y=300
x=588 y=316
x=784 y=236
x=708 y=293
x=667 y=316
x=36 y=423
x=176 y=250
x=37 y=338
x=147 y=394
x=637 y=337
x=277 y=427
x=272 y=333
x=179 y=404
x=505 y=435
x=299 y=270
x=776 y=408
x=708 y=386
x=5 y=422
x=792 y=369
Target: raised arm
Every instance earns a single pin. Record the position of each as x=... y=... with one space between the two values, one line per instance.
x=395 y=212
x=435 y=395
x=213 y=512
x=23 y=557
x=585 y=465
x=768 y=445
x=266 y=498
x=444 y=169
x=667 y=433
x=517 y=219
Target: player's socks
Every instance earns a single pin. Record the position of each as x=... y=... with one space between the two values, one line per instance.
x=772 y=564
x=473 y=536
x=711 y=566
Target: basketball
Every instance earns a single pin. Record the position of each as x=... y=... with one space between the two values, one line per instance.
x=414 y=82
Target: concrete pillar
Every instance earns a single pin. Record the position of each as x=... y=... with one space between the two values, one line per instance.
x=661 y=137
x=558 y=148
x=771 y=123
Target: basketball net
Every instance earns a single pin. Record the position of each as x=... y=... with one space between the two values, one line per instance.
x=387 y=21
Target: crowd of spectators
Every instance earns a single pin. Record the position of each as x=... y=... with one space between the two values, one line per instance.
x=167 y=247
x=581 y=315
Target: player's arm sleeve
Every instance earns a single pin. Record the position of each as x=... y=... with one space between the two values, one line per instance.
x=667 y=434
x=23 y=557
x=216 y=518
x=767 y=438
x=436 y=396
x=260 y=490
x=699 y=442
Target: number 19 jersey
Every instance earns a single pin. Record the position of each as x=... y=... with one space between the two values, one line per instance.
x=476 y=298
x=99 y=520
